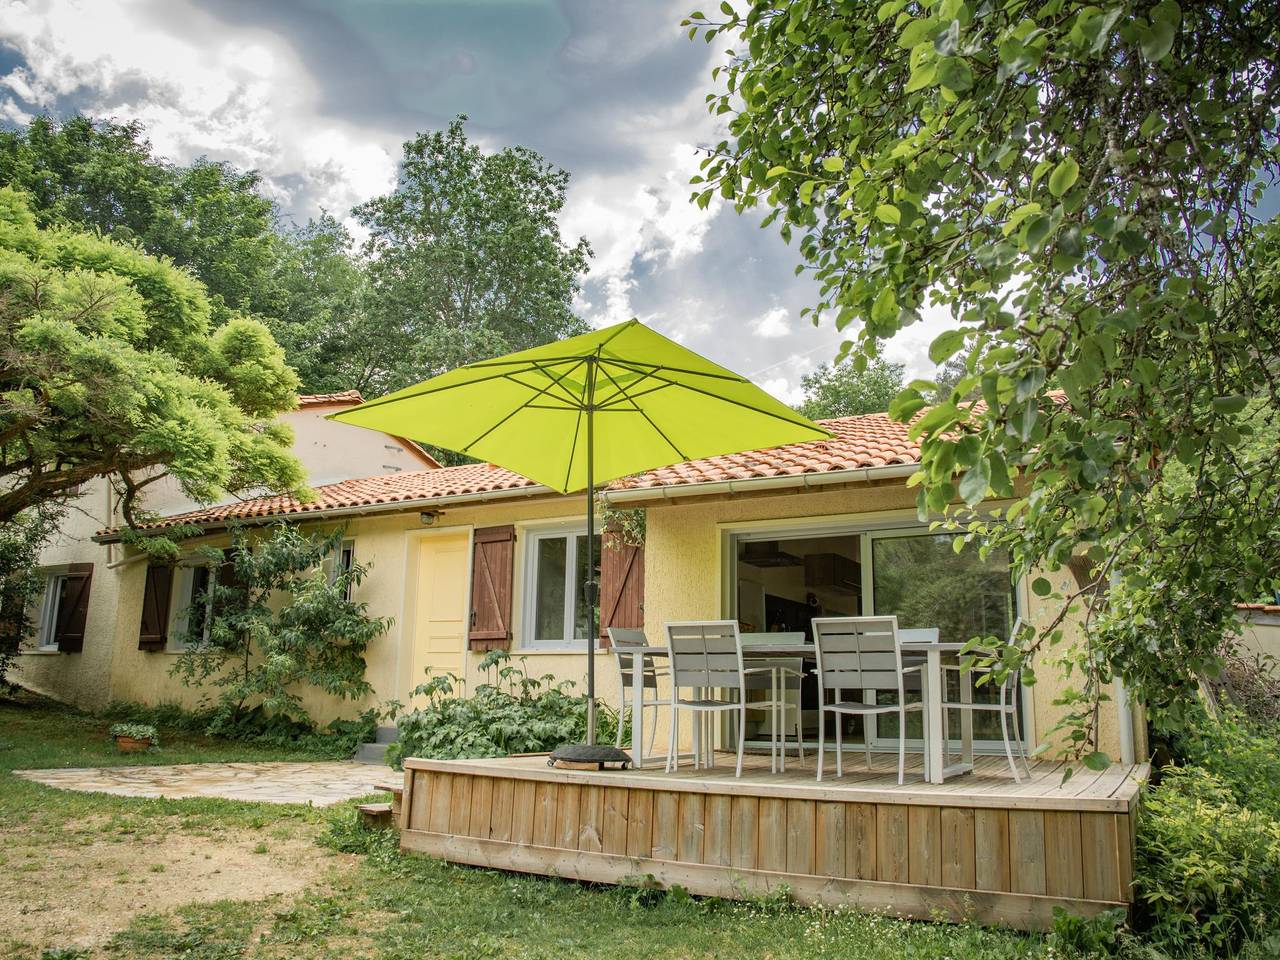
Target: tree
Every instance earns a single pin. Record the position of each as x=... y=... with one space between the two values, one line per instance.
x=465 y=258
x=212 y=219
x=260 y=651
x=841 y=390
x=110 y=366
x=1077 y=184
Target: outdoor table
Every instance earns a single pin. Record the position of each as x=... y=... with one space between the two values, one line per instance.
x=932 y=691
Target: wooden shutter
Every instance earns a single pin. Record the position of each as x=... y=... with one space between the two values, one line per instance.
x=153 y=634
x=73 y=607
x=492 y=566
x=621 y=584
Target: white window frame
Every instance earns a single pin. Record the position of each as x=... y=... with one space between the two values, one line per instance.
x=529 y=605
x=181 y=599
x=342 y=559
x=47 y=626
x=866 y=528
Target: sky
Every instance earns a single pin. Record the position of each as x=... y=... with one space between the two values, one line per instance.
x=318 y=95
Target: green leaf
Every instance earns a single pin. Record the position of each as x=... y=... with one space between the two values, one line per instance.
x=954 y=74
x=885 y=307
x=1064 y=176
x=833 y=164
x=1229 y=405
x=888 y=213
x=1041 y=587
x=1156 y=40
x=1096 y=761
x=974 y=483
x=946 y=345
x=777 y=171
x=917 y=31
x=922 y=76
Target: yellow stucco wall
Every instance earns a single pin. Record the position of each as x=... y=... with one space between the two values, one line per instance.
x=684 y=573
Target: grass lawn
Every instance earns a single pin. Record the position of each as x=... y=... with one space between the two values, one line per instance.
x=89 y=875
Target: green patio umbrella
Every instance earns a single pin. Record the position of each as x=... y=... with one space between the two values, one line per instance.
x=588 y=410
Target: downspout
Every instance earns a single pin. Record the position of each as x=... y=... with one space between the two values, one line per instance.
x=1124 y=708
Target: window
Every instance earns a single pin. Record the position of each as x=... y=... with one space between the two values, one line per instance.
x=345 y=557
x=555 y=607
x=63 y=609
x=192 y=607
x=55 y=591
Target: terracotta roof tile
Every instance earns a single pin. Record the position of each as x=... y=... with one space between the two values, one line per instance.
x=872 y=440
x=342 y=398
x=860 y=442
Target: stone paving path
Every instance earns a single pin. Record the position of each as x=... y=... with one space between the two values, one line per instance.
x=320 y=784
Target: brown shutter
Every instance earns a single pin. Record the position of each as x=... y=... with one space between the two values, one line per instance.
x=73 y=607
x=492 y=565
x=621 y=584
x=154 y=631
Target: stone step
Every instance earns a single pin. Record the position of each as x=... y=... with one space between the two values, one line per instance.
x=372 y=753
x=386 y=735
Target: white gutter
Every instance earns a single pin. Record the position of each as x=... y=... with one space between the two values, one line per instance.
x=357 y=511
x=804 y=480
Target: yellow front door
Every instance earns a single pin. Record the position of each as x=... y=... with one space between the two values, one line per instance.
x=443 y=595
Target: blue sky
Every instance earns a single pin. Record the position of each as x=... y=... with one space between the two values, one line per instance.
x=319 y=94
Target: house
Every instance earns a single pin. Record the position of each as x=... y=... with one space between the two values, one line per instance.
x=473 y=558
x=87 y=602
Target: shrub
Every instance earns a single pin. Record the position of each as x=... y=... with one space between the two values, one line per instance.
x=512 y=713
x=339 y=739
x=1243 y=754
x=1208 y=868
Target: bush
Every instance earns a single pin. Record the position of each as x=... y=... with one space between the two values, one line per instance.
x=1208 y=868
x=339 y=739
x=512 y=713
x=1244 y=754
x=135 y=731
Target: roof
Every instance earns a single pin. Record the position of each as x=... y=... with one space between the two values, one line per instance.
x=344 y=398
x=1273 y=608
x=868 y=441
x=860 y=443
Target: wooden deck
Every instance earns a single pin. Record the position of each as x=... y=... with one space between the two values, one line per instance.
x=977 y=847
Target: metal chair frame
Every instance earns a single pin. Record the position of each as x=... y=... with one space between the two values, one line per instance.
x=620 y=638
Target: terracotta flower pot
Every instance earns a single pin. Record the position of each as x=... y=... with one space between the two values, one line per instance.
x=132 y=745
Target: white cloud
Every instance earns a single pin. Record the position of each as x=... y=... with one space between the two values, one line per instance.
x=201 y=88
x=771 y=324
x=782 y=388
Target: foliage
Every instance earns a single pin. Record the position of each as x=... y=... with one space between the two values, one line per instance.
x=630 y=524
x=208 y=217
x=338 y=739
x=1208 y=869
x=21 y=585
x=510 y=713
x=1076 y=184
x=1094 y=936
x=843 y=390
x=277 y=624
x=135 y=731
x=1241 y=753
x=465 y=258
x=109 y=366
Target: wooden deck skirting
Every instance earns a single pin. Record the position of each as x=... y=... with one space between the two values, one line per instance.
x=977 y=848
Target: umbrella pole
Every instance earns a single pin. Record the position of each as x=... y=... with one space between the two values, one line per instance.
x=591 y=587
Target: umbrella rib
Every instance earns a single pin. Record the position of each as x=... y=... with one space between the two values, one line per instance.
x=658 y=430
x=397 y=397
x=736 y=403
x=520 y=407
x=556 y=381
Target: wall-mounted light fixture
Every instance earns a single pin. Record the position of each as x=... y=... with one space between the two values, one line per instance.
x=428 y=517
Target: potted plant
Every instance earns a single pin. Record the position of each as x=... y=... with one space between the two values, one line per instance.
x=134 y=737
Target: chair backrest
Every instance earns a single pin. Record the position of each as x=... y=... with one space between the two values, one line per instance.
x=764 y=680
x=705 y=653
x=622 y=637
x=858 y=653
